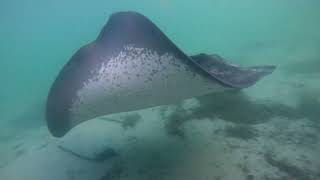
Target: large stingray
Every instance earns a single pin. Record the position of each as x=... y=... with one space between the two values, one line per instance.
x=133 y=65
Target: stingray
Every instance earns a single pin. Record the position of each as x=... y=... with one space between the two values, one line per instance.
x=133 y=65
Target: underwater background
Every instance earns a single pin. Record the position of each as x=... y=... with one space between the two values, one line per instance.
x=268 y=131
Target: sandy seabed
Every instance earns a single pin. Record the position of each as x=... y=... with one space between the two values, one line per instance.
x=267 y=132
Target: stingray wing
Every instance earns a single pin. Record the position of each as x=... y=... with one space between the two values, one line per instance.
x=231 y=75
x=77 y=93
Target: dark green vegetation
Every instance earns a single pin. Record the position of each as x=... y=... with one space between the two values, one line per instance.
x=131 y=120
x=175 y=120
x=117 y=172
x=292 y=171
x=309 y=106
x=244 y=132
x=238 y=108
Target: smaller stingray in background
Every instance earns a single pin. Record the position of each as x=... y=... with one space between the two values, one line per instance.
x=133 y=65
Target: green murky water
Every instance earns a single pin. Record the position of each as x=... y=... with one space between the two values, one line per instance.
x=38 y=37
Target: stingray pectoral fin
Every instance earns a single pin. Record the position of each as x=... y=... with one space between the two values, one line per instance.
x=231 y=75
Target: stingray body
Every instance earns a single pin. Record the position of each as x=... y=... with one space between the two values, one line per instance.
x=133 y=65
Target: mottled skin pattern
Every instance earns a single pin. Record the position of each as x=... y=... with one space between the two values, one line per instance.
x=131 y=65
x=230 y=74
x=137 y=78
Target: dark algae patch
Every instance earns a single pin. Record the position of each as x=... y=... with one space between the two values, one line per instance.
x=117 y=171
x=233 y=106
x=309 y=106
x=131 y=120
x=244 y=132
x=175 y=121
x=292 y=171
x=237 y=107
